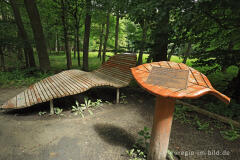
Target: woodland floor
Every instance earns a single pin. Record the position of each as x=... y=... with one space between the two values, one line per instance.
x=105 y=135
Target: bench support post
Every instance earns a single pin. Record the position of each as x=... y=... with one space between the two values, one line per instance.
x=117 y=98
x=51 y=107
x=161 y=129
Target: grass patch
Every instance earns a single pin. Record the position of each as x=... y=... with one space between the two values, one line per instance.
x=25 y=77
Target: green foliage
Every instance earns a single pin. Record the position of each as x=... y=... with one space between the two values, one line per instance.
x=140 y=150
x=123 y=99
x=201 y=125
x=136 y=154
x=88 y=105
x=19 y=78
x=231 y=134
x=180 y=114
x=78 y=110
x=98 y=103
x=41 y=113
x=58 y=111
x=143 y=141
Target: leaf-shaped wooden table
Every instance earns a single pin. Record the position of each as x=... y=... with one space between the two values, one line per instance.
x=170 y=81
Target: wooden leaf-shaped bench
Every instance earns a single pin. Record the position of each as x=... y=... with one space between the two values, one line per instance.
x=115 y=73
x=170 y=81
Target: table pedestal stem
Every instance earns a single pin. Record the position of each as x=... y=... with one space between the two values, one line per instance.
x=161 y=129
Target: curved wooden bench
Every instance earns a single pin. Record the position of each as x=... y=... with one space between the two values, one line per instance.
x=115 y=73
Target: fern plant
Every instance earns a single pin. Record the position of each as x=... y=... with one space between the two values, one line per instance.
x=78 y=110
x=231 y=134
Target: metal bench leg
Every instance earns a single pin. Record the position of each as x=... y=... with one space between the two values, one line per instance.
x=51 y=107
x=117 y=100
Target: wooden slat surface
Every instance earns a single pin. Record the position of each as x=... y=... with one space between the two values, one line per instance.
x=198 y=84
x=115 y=72
x=21 y=100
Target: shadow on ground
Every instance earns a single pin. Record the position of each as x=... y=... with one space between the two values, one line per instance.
x=115 y=135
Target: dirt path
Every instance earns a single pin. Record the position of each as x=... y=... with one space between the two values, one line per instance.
x=105 y=135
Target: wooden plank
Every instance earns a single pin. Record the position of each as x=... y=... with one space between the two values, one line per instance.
x=30 y=96
x=64 y=84
x=52 y=89
x=43 y=86
x=118 y=72
x=70 y=76
x=37 y=98
x=79 y=88
x=33 y=96
x=114 y=75
x=65 y=77
x=111 y=78
x=12 y=103
x=101 y=81
x=40 y=92
x=81 y=82
x=122 y=61
x=27 y=98
x=21 y=102
x=88 y=79
x=58 y=85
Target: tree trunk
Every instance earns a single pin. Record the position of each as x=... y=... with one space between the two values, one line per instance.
x=56 y=43
x=65 y=34
x=2 y=66
x=77 y=45
x=144 y=35
x=86 y=35
x=100 y=43
x=106 y=38
x=116 y=34
x=161 y=39
x=19 y=50
x=38 y=34
x=186 y=54
x=29 y=56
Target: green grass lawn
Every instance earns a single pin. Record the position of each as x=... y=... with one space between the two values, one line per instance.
x=58 y=62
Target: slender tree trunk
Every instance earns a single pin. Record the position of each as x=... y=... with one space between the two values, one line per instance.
x=106 y=38
x=19 y=50
x=2 y=66
x=38 y=34
x=186 y=54
x=29 y=56
x=75 y=46
x=56 y=43
x=101 y=42
x=144 y=35
x=161 y=39
x=65 y=35
x=19 y=54
x=116 y=34
x=86 y=35
x=78 y=46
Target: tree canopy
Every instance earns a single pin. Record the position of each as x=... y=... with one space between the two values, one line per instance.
x=207 y=30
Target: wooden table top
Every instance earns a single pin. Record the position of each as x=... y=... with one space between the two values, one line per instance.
x=174 y=80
